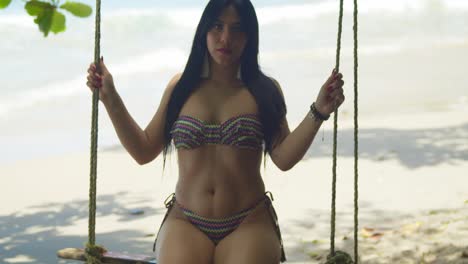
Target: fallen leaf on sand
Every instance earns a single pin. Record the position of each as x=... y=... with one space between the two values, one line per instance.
x=370 y=233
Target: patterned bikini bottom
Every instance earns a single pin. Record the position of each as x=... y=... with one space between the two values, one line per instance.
x=218 y=228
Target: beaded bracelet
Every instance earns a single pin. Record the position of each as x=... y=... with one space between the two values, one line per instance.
x=314 y=113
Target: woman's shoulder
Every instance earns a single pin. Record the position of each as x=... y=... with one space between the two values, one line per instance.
x=173 y=82
x=175 y=79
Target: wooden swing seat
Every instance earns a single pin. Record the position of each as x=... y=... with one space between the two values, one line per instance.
x=110 y=257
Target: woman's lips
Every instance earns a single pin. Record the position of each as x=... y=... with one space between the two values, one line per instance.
x=225 y=51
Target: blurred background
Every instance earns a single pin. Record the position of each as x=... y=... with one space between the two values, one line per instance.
x=412 y=58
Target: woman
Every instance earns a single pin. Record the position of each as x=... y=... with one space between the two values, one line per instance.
x=220 y=112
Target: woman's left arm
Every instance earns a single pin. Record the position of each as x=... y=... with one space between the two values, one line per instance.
x=290 y=147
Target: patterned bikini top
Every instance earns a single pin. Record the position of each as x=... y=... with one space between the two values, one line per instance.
x=242 y=131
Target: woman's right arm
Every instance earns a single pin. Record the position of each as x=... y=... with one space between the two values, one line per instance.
x=143 y=145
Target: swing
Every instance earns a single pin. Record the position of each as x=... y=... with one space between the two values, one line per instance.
x=95 y=254
x=340 y=257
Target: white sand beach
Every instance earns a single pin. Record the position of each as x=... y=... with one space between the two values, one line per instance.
x=413 y=197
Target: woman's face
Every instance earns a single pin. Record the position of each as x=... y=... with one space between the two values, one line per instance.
x=226 y=39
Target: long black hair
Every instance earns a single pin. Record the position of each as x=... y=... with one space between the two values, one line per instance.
x=270 y=101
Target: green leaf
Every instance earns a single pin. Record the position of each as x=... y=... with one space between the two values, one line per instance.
x=36 y=8
x=4 y=3
x=47 y=16
x=77 y=9
x=58 y=22
x=44 y=20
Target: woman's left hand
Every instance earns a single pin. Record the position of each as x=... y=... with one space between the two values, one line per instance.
x=331 y=94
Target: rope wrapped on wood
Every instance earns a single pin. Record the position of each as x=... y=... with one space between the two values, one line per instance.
x=339 y=257
x=93 y=253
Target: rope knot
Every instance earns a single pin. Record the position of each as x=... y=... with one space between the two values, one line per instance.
x=94 y=253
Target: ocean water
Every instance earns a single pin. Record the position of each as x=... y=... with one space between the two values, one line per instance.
x=412 y=54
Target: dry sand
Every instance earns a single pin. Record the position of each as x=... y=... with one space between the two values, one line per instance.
x=413 y=196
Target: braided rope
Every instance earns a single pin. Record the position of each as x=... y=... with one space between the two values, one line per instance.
x=94 y=253
x=338 y=256
x=356 y=154
x=335 y=134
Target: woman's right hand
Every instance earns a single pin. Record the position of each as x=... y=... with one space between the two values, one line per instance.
x=103 y=81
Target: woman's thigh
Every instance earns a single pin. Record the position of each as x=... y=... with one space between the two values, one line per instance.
x=180 y=242
x=254 y=241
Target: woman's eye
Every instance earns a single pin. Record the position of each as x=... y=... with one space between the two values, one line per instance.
x=218 y=26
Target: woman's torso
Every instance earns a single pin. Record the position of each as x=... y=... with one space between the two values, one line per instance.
x=217 y=180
